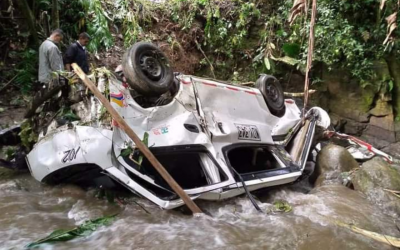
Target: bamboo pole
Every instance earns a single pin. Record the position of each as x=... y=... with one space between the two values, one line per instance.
x=139 y=144
x=389 y=240
x=300 y=145
x=290 y=94
x=310 y=53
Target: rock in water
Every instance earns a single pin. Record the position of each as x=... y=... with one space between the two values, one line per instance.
x=373 y=178
x=331 y=162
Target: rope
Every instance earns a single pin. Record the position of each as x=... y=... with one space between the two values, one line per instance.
x=247 y=191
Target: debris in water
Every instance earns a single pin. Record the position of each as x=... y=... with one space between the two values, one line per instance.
x=394 y=192
x=82 y=230
x=282 y=206
x=390 y=240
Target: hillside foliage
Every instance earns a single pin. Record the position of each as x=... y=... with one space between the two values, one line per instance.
x=229 y=33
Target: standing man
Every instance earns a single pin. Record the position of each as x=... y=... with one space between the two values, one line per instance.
x=50 y=58
x=76 y=53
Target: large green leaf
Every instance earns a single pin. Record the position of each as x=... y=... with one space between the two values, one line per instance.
x=267 y=63
x=126 y=152
x=291 y=49
x=287 y=60
x=145 y=142
x=82 y=230
x=390 y=85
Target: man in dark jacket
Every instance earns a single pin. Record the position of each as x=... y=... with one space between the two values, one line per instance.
x=76 y=53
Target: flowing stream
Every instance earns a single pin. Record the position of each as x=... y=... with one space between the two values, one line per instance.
x=30 y=211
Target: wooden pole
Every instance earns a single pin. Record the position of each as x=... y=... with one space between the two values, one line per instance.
x=139 y=144
x=310 y=53
x=300 y=145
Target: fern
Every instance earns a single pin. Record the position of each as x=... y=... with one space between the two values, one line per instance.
x=27 y=70
x=97 y=25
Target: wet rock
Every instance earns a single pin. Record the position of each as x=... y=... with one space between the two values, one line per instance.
x=393 y=150
x=331 y=162
x=17 y=163
x=373 y=178
x=387 y=122
x=382 y=108
x=349 y=108
x=347 y=99
x=376 y=142
x=335 y=120
x=320 y=99
x=381 y=69
x=333 y=86
x=383 y=134
x=354 y=128
x=9 y=136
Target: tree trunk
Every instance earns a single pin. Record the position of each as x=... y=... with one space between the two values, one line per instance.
x=55 y=16
x=27 y=12
x=46 y=23
x=394 y=68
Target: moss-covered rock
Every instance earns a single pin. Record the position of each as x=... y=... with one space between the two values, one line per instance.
x=373 y=178
x=353 y=109
x=332 y=161
x=381 y=69
x=367 y=97
x=382 y=108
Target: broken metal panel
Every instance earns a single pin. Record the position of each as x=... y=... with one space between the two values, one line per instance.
x=122 y=178
x=360 y=149
x=163 y=123
x=289 y=120
x=227 y=107
x=80 y=145
x=237 y=188
x=186 y=95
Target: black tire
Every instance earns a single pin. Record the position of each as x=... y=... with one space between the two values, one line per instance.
x=147 y=70
x=273 y=94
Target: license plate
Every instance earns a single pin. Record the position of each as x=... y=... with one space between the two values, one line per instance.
x=248 y=132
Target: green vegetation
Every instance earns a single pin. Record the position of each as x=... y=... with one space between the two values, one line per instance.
x=82 y=230
x=281 y=206
x=27 y=134
x=134 y=153
x=235 y=33
x=27 y=70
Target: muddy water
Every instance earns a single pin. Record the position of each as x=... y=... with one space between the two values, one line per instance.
x=29 y=211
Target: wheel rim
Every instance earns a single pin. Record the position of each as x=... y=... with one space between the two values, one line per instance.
x=272 y=92
x=151 y=67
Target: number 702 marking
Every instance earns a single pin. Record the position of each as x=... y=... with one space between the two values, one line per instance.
x=70 y=155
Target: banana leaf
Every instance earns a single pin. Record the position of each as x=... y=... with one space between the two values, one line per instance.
x=286 y=59
x=84 y=229
x=129 y=150
x=145 y=142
